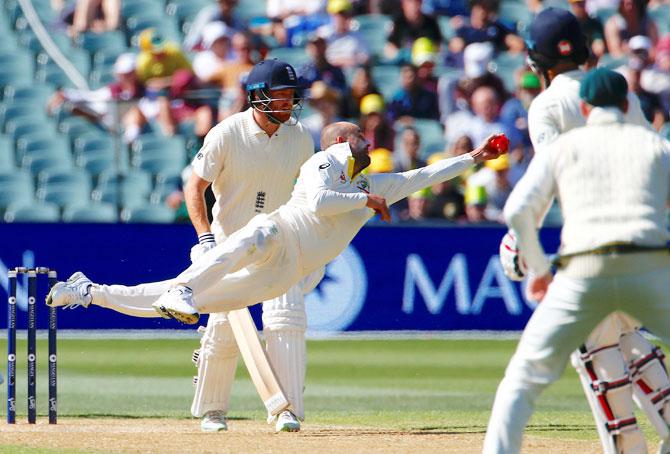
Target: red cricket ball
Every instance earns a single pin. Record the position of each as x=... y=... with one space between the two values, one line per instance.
x=500 y=143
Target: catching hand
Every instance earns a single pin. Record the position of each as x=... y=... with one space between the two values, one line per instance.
x=378 y=204
x=493 y=147
x=205 y=243
x=510 y=258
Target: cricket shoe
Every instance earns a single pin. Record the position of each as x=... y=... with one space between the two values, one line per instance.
x=177 y=303
x=74 y=292
x=214 y=421
x=287 y=422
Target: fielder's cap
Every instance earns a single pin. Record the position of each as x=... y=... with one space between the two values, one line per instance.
x=529 y=80
x=125 y=63
x=372 y=103
x=555 y=33
x=423 y=51
x=476 y=59
x=603 y=87
x=639 y=42
x=381 y=161
x=339 y=6
x=272 y=75
x=214 y=31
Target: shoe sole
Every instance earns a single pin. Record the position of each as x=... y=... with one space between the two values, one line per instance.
x=220 y=429
x=187 y=319
x=289 y=428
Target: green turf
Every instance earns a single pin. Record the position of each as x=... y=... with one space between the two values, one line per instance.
x=432 y=385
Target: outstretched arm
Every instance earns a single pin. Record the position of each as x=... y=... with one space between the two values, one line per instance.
x=397 y=186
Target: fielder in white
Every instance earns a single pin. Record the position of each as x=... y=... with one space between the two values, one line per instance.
x=251 y=160
x=616 y=363
x=331 y=202
x=613 y=242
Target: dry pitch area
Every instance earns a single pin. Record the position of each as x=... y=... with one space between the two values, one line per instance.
x=182 y=436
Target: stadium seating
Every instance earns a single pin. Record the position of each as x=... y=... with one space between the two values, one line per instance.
x=91 y=213
x=6 y=155
x=32 y=212
x=374 y=28
x=148 y=214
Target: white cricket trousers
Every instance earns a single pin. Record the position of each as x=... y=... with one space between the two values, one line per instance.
x=256 y=263
x=581 y=295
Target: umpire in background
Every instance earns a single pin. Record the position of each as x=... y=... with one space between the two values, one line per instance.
x=613 y=183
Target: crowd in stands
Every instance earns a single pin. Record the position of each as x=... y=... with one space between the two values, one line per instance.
x=425 y=80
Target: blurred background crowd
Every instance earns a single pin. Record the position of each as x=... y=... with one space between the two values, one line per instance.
x=108 y=135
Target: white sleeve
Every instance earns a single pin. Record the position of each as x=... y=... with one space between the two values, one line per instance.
x=542 y=126
x=103 y=94
x=528 y=201
x=320 y=177
x=210 y=160
x=396 y=186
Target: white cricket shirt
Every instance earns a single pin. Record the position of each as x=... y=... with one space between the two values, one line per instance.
x=250 y=172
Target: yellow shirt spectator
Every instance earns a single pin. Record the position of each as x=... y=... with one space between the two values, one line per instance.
x=158 y=58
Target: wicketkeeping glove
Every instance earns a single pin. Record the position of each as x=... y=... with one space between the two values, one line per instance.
x=206 y=242
x=511 y=259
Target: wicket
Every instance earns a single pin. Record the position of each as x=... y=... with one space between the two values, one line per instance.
x=32 y=274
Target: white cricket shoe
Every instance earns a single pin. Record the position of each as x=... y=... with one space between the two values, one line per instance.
x=287 y=422
x=177 y=303
x=214 y=421
x=74 y=292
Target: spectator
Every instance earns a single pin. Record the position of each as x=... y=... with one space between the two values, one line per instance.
x=515 y=110
x=209 y=64
x=406 y=157
x=296 y=19
x=446 y=201
x=656 y=79
x=412 y=100
x=475 y=204
x=493 y=177
x=418 y=205
x=346 y=48
x=424 y=55
x=221 y=11
x=361 y=85
x=240 y=63
x=95 y=104
x=158 y=59
x=325 y=101
x=167 y=74
x=96 y=16
x=638 y=62
x=631 y=19
x=484 y=27
x=484 y=121
x=408 y=26
x=374 y=124
x=319 y=68
x=591 y=27
x=455 y=90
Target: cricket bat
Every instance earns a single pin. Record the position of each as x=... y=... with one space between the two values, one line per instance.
x=257 y=362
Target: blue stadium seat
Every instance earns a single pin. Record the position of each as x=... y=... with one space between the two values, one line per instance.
x=553 y=218
x=63 y=195
x=34 y=94
x=6 y=154
x=9 y=111
x=15 y=186
x=15 y=59
x=148 y=214
x=135 y=7
x=445 y=28
x=73 y=179
x=79 y=58
x=249 y=10
x=48 y=143
x=21 y=127
x=91 y=213
x=29 y=212
x=156 y=153
x=506 y=64
x=74 y=127
x=387 y=78
x=661 y=16
x=95 y=162
x=112 y=41
x=296 y=55
x=45 y=161
x=133 y=188
x=375 y=28
x=516 y=14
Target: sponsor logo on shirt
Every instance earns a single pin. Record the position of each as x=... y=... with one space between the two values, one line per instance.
x=324 y=166
x=343 y=177
x=199 y=155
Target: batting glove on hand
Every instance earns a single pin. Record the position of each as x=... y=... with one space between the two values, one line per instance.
x=510 y=258
x=205 y=243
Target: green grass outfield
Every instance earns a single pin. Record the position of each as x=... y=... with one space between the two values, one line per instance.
x=442 y=385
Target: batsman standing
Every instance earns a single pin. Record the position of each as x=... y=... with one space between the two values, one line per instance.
x=616 y=363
